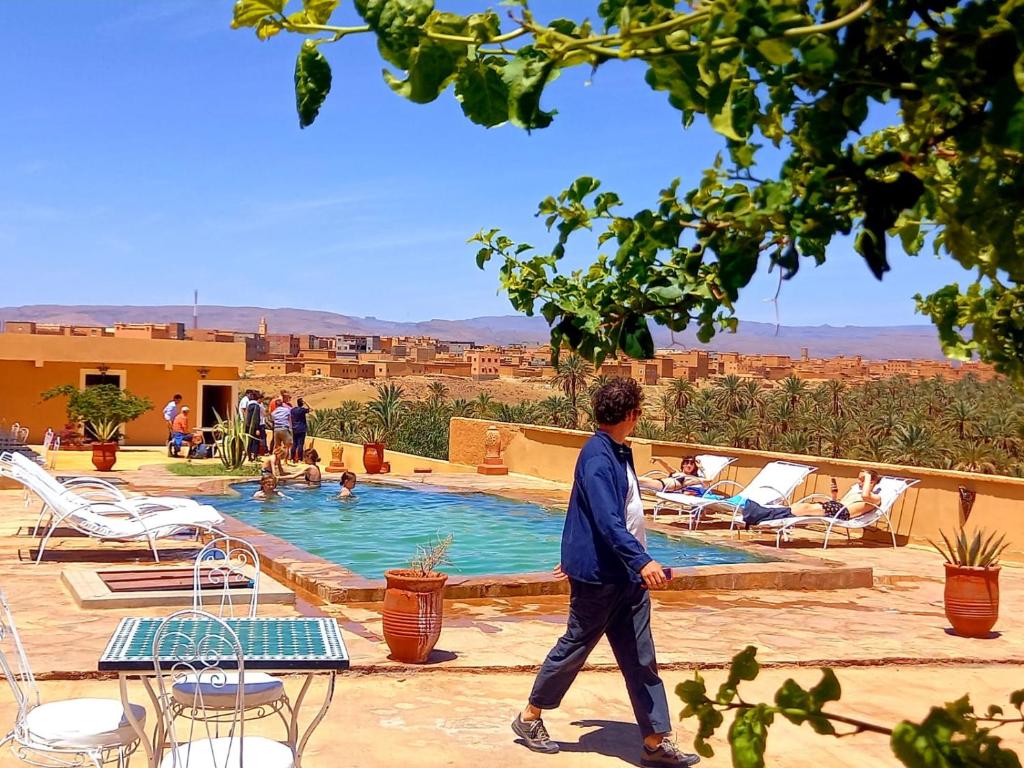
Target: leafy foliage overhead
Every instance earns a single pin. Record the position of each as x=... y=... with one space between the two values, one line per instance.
x=947 y=173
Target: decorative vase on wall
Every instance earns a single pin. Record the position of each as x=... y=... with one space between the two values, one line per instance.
x=373 y=457
x=337 y=458
x=413 y=613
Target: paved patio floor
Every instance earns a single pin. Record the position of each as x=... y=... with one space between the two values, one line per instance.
x=893 y=641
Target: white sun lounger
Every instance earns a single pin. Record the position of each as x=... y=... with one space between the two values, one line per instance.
x=889 y=490
x=774 y=484
x=711 y=466
x=115 y=520
x=92 y=489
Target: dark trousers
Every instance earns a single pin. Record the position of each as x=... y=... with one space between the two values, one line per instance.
x=298 y=441
x=622 y=612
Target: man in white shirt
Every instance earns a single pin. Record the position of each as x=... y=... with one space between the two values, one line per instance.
x=171 y=411
x=243 y=404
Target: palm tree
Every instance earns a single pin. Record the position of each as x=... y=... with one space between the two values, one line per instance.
x=730 y=394
x=835 y=389
x=913 y=444
x=668 y=409
x=839 y=435
x=461 y=407
x=794 y=389
x=960 y=414
x=437 y=392
x=553 y=410
x=795 y=442
x=648 y=429
x=977 y=457
x=571 y=376
x=518 y=413
x=681 y=391
x=387 y=407
x=483 y=406
x=350 y=415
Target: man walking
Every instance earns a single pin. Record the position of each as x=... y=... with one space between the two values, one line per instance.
x=609 y=576
x=170 y=413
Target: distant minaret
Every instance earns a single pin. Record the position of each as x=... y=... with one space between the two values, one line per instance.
x=195 y=308
x=263 y=326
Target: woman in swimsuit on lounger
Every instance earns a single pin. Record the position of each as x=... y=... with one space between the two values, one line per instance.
x=690 y=477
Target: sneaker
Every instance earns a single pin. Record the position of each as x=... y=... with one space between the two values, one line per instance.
x=536 y=737
x=667 y=754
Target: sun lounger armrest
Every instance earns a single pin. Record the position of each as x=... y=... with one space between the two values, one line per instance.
x=94 y=484
x=783 y=496
x=713 y=486
x=655 y=473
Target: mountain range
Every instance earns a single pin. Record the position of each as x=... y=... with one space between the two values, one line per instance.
x=871 y=342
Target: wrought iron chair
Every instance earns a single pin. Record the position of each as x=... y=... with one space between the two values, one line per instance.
x=61 y=734
x=197 y=652
x=219 y=567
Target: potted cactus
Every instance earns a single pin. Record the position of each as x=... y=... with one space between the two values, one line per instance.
x=106 y=409
x=414 y=603
x=972 y=580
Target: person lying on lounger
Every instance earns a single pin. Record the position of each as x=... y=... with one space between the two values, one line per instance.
x=689 y=478
x=861 y=498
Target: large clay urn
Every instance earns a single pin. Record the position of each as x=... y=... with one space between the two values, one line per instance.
x=104 y=455
x=413 y=613
x=373 y=457
x=972 y=599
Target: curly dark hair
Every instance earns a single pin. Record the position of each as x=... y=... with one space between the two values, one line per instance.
x=614 y=401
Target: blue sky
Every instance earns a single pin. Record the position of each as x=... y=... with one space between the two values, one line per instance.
x=148 y=149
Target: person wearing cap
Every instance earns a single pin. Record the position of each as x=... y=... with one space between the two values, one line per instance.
x=180 y=429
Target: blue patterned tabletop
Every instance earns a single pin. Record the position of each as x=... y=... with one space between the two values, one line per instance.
x=268 y=643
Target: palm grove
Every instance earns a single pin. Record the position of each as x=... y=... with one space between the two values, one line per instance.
x=965 y=425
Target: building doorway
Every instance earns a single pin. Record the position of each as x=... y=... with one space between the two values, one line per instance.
x=94 y=380
x=216 y=402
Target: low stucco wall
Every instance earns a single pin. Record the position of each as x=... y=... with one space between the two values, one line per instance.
x=401 y=463
x=931 y=505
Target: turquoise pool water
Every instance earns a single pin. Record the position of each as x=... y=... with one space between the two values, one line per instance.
x=383 y=525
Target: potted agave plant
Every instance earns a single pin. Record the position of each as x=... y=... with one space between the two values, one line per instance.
x=372 y=437
x=106 y=408
x=972 y=580
x=414 y=603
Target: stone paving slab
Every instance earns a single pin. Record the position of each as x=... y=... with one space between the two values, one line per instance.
x=461 y=720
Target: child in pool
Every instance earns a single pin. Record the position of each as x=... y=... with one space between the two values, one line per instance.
x=312 y=472
x=348 y=482
x=268 y=489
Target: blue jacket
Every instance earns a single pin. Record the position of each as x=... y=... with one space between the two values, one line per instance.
x=596 y=547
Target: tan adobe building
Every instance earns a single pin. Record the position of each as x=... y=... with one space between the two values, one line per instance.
x=206 y=374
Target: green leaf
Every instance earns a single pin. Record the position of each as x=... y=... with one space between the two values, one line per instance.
x=744 y=665
x=319 y=11
x=526 y=75
x=482 y=93
x=312 y=83
x=667 y=294
x=828 y=689
x=248 y=13
x=748 y=737
x=776 y=50
x=927 y=745
x=635 y=338
x=431 y=66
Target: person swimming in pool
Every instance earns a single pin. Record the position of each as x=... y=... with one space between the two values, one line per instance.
x=348 y=483
x=268 y=489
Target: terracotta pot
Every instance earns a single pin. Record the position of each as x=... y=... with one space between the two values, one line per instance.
x=413 y=613
x=972 y=599
x=373 y=457
x=104 y=455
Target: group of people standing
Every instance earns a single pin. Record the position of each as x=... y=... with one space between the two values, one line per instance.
x=277 y=416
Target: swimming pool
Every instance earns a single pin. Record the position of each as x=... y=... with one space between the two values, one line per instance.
x=382 y=526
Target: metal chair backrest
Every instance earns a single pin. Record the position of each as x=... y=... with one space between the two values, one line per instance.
x=220 y=560
x=775 y=478
x=891 y=488
x=15 y=666
x=200 y=653
x=712 y=465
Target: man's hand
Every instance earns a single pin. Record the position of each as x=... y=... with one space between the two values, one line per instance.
x=558 y=573
x=653 y=575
